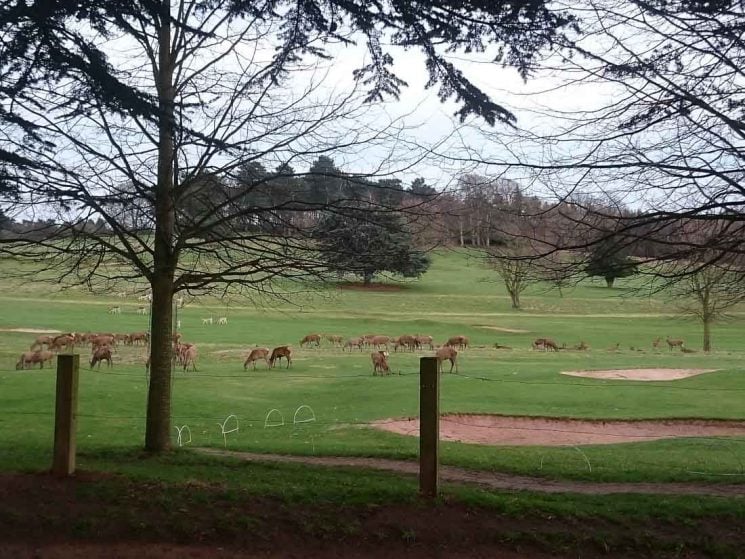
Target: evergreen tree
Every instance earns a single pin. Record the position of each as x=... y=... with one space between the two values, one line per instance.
x=365 y=243
x=608 y=261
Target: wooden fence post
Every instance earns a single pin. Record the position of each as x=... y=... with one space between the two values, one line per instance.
x=429 y=427
x=66 y=415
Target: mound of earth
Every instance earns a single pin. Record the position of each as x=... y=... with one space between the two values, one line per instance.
x=541 y=431
x=640 y=374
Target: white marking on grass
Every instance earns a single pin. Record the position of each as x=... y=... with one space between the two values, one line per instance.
x=312 y=417
x=226 y=432
x=180 y=430
x=268 y=415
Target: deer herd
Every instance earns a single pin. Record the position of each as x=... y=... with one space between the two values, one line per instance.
x=103 y=345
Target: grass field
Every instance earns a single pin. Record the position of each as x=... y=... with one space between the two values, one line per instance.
x=457 y=296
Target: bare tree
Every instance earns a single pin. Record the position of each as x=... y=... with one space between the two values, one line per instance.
x=707 y=293
x=155 y=105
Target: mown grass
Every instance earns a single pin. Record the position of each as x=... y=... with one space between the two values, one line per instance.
x=458 y=296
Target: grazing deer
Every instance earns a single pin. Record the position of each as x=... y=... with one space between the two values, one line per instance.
x=41 y=341
x=102 y=353
x=447 y=353
x=380 y=341
x=141 y=310
x=421 y=341
x=311 y=339
x=461 y=342
x=280 y=352
x=674 y=343
x=582 y=346
x=30 y=358
x=335 y=340
x=207 y=320
x=686 y=350
x=115 y=310
x=223 y=320
x=656 y=342
x=380 y=362
x=406 y=342
x=545 y=344
x=255 y=355
x=353 y=342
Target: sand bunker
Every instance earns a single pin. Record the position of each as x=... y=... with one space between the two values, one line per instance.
x=507 y=330
x=504 y=430
x=30 y=330
x=640 y=374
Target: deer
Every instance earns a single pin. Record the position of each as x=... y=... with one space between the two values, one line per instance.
x=66 y=341
x=582 y=346
x=40 y=342
x=255 y=355
x=310 y=339
x=674 y=343
x=223 y=320
x=30 y=358
x=545 y=344
x=101 y=353
x=380 y=362
x=656 y=342
x=461 y=342
x=353 y=342
x=447 y=353
x=116 y=309
x=406 y=341
x=380 y=341
x=280 y=352
x=335 y=340
x=421 y=341
x=189 y=357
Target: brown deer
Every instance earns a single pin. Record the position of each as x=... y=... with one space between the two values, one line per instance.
x=101 y=353
x=380 y=341
x=545 y=344
x=280 y=352
x=311 y=338
x=64 y=341
x=353 y=342
x=41 y=341
x=674 y=343
x=335 y=340
x=30 y=358
x=461 y=342
x=656 y=342
x=406 y=341
x=255 y=355
x=421 y=341
x=447 y=353
x=189 y=357
x=582 y=346
x=380 y=362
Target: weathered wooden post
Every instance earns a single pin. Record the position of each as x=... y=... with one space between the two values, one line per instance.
x=65 y=415
x=429 y=427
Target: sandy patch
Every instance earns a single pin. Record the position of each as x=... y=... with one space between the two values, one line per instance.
x=30 y=330
x=539 y=431
x=508 y=330
x=524 y=431
x=640 y=374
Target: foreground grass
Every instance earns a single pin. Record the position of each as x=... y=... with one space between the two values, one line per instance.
x=189 y=498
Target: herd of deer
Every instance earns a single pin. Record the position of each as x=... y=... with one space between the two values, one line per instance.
x=547 y=344
x=102 y=346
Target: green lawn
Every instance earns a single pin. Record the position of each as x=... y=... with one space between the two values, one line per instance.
x=457 y=296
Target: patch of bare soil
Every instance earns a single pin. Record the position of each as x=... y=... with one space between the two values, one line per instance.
x=117 y=518
x=539 y=431
x=640 y=374
x=31 y=330
x=507 y=330
x=359 y=286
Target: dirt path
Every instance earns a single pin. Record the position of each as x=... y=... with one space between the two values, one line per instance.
x=493 y=480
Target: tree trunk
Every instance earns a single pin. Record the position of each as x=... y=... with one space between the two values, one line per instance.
x=158 y=423
x=515 y=296
x=367 y=278
x=707 y=335
x=609 y=282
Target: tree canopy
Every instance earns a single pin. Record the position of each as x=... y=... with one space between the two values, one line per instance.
x=365 y=242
